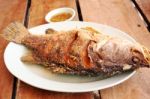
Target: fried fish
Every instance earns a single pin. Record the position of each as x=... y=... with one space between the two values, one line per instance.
x=81 y=51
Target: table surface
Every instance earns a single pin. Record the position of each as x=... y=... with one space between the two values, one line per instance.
x=131 y=16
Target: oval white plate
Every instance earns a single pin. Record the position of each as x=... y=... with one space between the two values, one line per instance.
x=41 y=77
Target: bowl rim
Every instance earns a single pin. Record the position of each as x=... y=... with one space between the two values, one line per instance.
x=57 y=11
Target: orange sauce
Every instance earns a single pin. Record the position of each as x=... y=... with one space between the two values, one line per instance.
x=60 y=17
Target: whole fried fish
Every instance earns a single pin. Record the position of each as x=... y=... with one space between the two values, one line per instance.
x=79 y=51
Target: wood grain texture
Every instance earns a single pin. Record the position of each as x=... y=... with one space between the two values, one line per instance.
x=137 y=87
x=117 y=13
x=121 y=14
x=38 y=11
x=10 y=11
x=28 y=92
x=42 y=7
x=145 y=7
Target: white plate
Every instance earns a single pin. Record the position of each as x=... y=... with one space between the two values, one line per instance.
x=40 y=77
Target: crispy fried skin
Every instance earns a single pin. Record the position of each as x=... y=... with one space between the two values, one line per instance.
x=80 y=51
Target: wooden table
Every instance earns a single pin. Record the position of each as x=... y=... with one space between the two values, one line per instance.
x=122 y=14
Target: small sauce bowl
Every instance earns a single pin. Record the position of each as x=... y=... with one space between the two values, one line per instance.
x=57 y=15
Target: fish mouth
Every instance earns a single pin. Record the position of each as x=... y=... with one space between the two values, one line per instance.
x=146 y=53
x=145 y=65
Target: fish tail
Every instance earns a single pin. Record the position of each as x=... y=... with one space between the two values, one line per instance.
x=15 y=32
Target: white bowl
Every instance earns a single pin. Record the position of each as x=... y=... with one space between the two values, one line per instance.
x=58 y=11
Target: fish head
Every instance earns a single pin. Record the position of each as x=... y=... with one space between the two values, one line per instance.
x=116 y=51
x=140 y=57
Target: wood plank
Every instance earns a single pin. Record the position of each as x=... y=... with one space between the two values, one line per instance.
x=41 y=8
x=37 y=13
x=28 y=92
x=117 y=13
x=136 y=87
x=10 y=11
x=121 y=14
x=145 y=7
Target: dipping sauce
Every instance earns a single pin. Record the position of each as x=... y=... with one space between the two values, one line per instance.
x=60 y=17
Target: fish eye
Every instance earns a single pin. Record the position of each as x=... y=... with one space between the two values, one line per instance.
x=135 y=59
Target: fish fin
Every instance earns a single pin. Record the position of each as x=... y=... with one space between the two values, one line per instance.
x=92 y=30
x=15 y=32
x=29 y=58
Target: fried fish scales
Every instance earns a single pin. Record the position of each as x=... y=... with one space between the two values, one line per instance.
x=79 y=51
